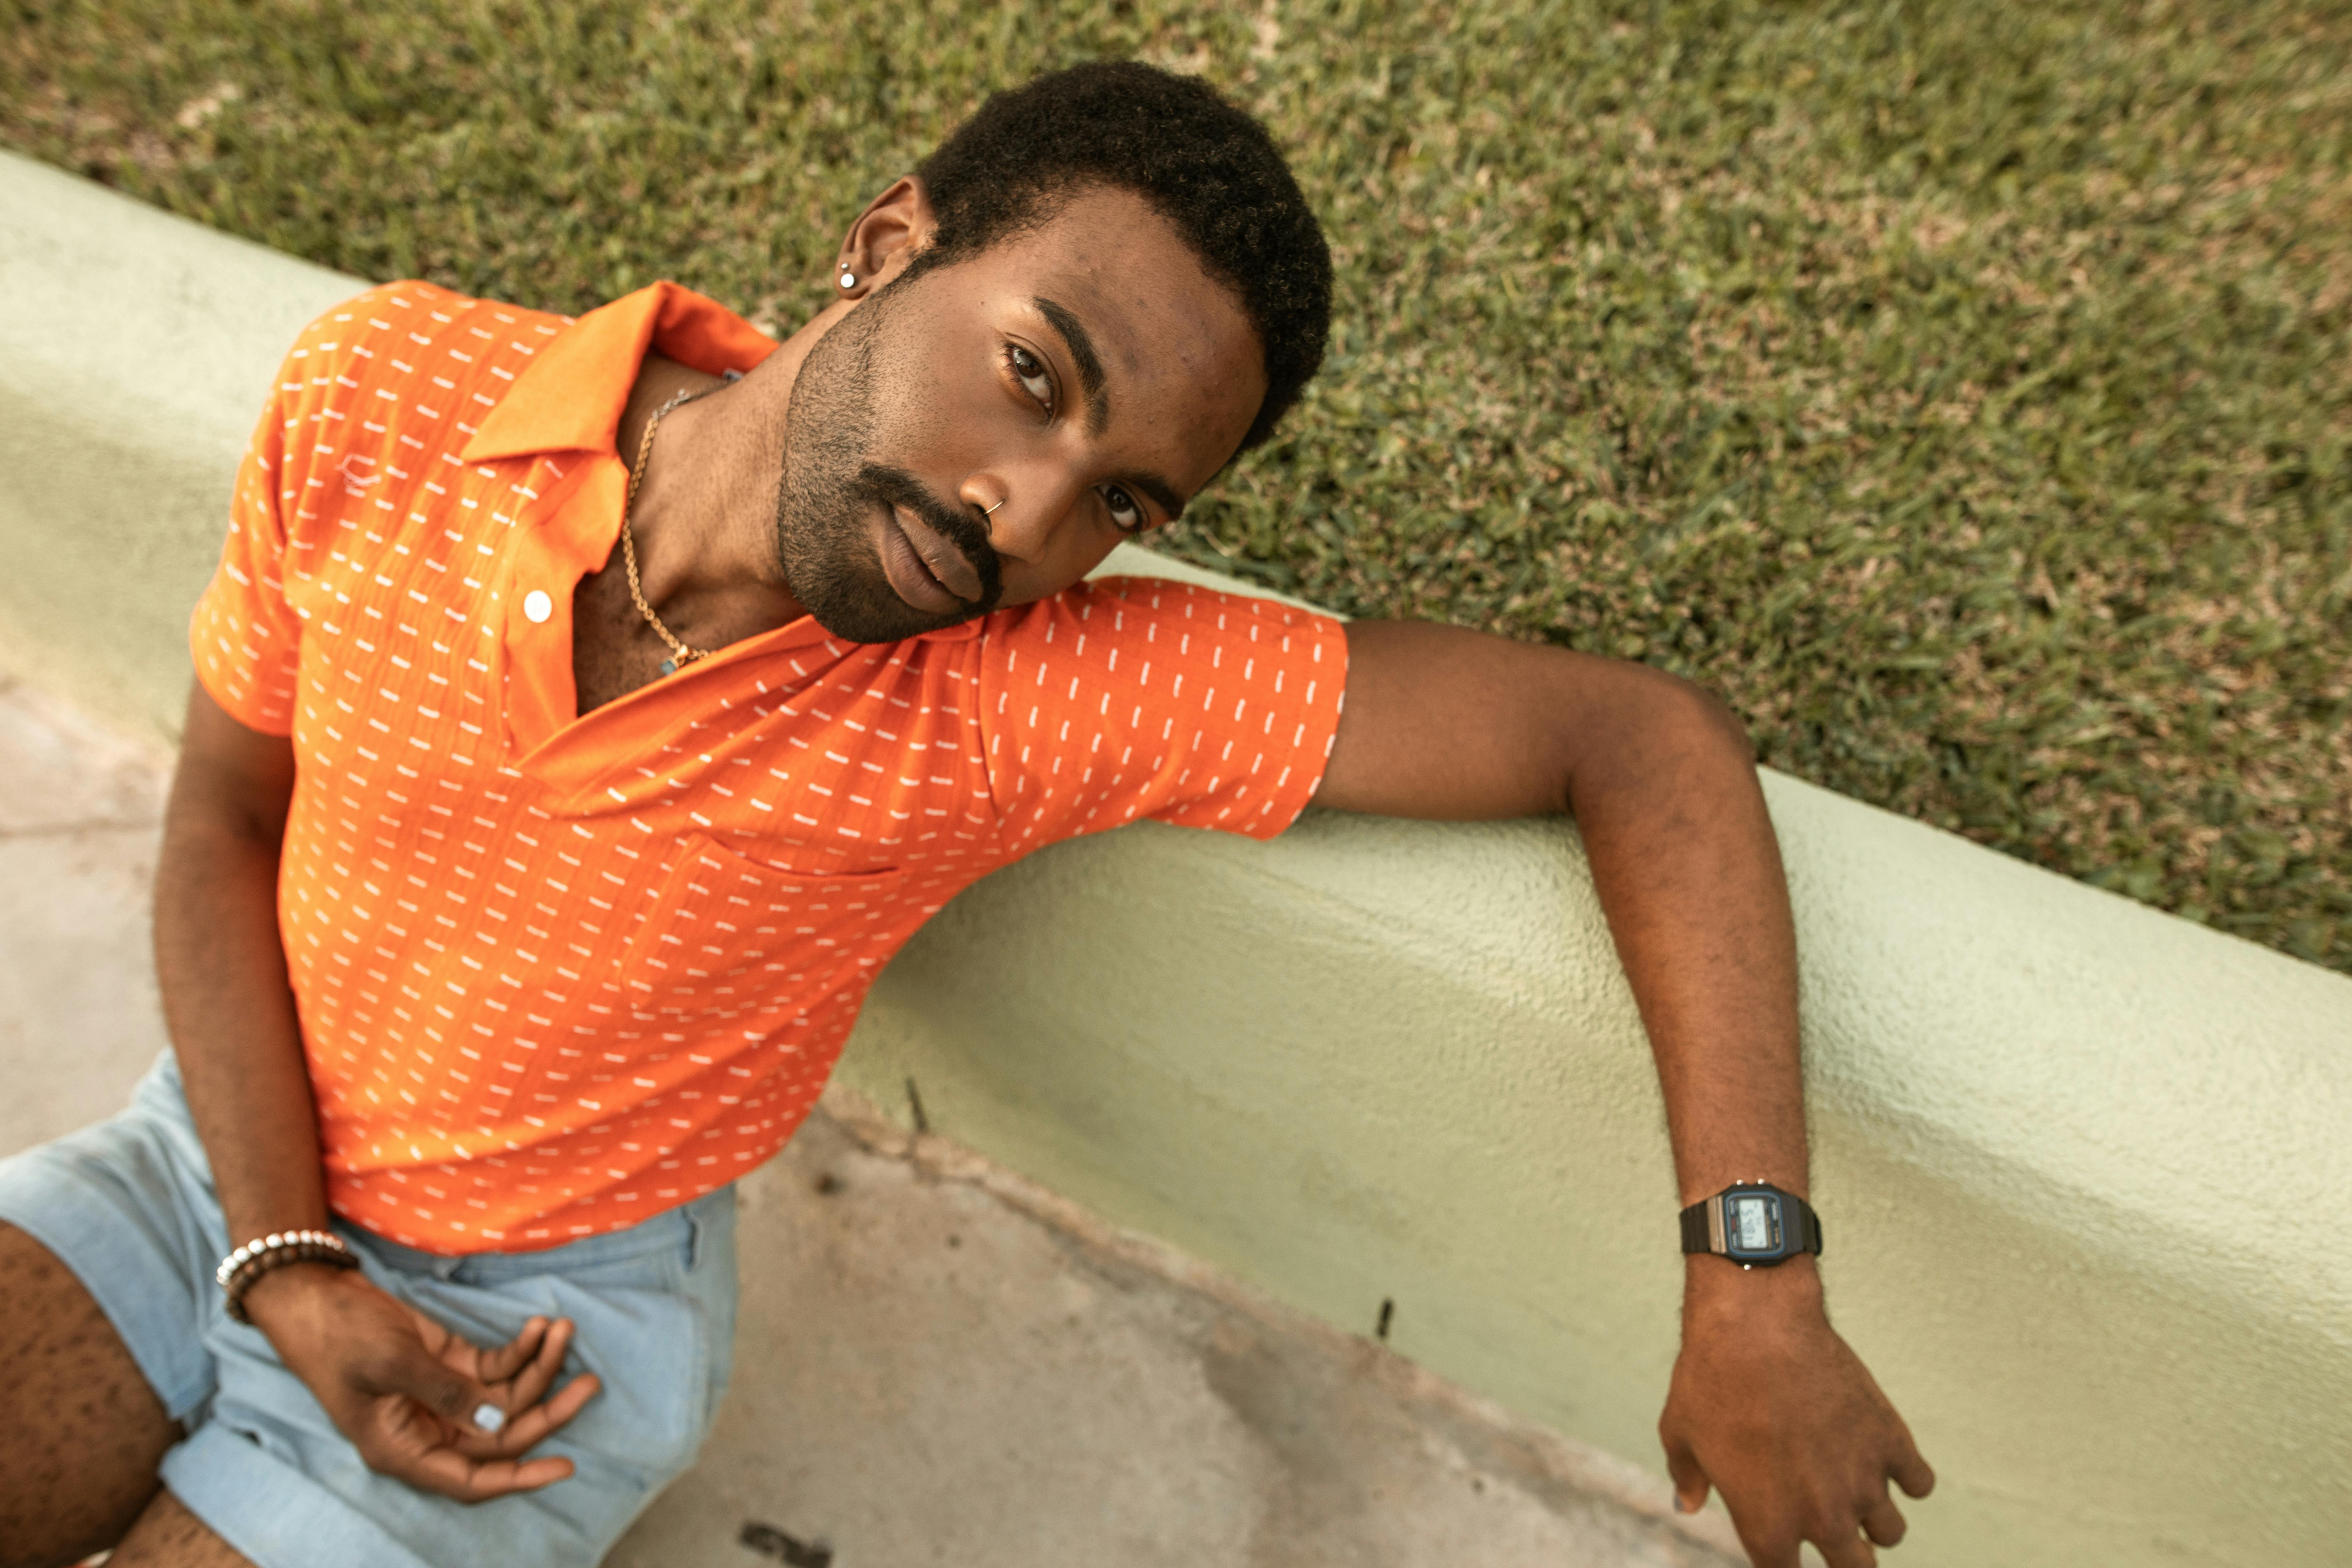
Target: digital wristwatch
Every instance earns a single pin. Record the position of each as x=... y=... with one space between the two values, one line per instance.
x=1754 y=1224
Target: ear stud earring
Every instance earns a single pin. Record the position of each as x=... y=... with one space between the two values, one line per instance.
x=848 y=279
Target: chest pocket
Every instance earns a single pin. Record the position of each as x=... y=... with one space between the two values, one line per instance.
x=730 y=934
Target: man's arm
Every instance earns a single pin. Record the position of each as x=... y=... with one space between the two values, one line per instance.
x=398 y=1385
x=1767 y=1404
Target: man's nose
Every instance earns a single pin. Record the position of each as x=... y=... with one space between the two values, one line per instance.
x=1022 y=509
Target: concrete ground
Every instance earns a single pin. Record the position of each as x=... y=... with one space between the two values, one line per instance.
x=937 y=1363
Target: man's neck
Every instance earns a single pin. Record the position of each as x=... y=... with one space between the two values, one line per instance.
x=701 y=517
x=697 y=522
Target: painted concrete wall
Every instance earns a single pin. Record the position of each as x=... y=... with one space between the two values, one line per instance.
x=2082 y=1165
x=135 y=350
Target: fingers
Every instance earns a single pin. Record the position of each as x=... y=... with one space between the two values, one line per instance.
x=525 y=1431
x=472 y=1462
x=1776 y=1550
x=428 y=1419
x=500 y=1365
x=1689 y=1478
x=1848 y=1551
x=1883 y=1521
x=527 y=1420
x=1882 y=1525
x=1911 y=1472
x=408 y=1369
x=453 y=1474
x=512 y=1376
x=536 y=1375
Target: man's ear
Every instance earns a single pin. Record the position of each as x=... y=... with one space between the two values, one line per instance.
x=886 y=237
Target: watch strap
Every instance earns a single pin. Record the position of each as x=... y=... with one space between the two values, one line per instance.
x=1696 y=1227
x=1808 y=1226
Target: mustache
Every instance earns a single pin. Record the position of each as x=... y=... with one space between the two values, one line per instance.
x=955 y=524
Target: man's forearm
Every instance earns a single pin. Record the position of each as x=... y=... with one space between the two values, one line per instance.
x=407 y=1392
x=1450 y=724
x=1767 y=1403
x=1687 y=868
x=231 y=1014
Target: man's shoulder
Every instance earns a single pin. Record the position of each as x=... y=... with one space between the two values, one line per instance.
x=1126 y=635
x=379 y=341
x=403 y=373
x=1134 y=696
x=413 y=304
x=1120 y=606
x=375 y=404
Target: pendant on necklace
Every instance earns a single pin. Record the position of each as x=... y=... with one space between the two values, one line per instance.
x=670 y=666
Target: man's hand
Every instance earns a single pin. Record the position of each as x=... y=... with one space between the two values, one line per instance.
x=1770 y=1406
x=407 y=1390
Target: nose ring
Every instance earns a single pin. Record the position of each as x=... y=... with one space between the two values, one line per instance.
x=991 y=511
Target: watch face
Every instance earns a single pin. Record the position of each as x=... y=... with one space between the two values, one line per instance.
x=1754 y=1222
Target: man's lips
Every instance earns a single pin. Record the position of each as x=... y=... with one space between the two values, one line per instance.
x=911 y=577
x=954 y=572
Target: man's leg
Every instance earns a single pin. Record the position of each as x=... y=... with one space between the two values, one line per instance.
x=80 y=1432
x=168 y=1536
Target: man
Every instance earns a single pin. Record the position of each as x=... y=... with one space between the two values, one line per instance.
x=587 y=710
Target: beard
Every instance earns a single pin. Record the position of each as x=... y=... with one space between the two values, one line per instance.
x=830 y=484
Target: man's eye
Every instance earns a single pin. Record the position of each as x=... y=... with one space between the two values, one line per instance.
x=1125 y=515
x=1031 y=371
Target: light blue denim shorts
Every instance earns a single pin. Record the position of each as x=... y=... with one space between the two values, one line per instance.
x=127 y=1204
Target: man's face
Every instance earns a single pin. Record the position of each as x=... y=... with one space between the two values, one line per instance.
x=983 y=433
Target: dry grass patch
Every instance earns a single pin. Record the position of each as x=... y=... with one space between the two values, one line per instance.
x=1960 y=390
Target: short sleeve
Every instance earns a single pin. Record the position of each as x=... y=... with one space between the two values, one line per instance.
x=1137 y=697
x=245 y=639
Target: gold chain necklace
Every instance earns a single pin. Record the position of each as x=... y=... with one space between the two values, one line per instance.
x=679 y=653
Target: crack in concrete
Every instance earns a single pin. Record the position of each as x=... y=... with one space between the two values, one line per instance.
x=95 y=825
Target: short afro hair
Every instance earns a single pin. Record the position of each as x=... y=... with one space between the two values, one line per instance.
x=1204 y=164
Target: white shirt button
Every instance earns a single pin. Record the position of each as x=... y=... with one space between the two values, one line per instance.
x=537 y=606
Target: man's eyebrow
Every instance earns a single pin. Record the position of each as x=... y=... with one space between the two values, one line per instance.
x=1160 y=490
x=1081 y=345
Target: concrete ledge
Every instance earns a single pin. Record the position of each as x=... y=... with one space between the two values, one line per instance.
x=940 y=1362
x=132 y=366
x=2081 y=1163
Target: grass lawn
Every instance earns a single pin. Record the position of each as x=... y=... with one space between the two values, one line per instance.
x=1962 y=390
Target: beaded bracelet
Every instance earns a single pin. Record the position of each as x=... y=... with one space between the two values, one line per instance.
x=256 y=1257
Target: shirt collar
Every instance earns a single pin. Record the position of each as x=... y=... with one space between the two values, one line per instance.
x=572 y=397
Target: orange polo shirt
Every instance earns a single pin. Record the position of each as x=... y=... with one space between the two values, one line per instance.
x=557 y=973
